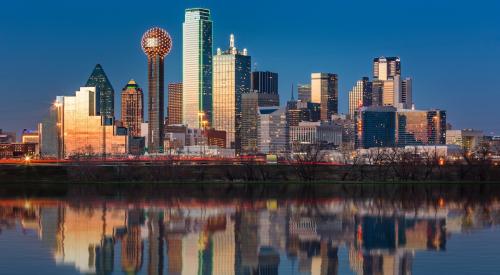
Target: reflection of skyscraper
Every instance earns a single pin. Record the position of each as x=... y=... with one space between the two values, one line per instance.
x=269 y=261
x=105 y=99
x=155 y=242
x=132 y=108
x=174 y=250
x=131 y=243
x=197 y=67
x=156 y=44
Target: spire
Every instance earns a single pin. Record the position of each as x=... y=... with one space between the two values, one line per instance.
x=231 y=41
x=104 y=92
x=292 y=94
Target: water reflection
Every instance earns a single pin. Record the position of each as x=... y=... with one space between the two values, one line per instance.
x=239 y=236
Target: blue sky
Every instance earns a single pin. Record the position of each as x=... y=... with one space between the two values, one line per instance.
x=450 y=48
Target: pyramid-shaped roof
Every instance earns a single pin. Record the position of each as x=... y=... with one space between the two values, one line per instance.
x=99 y=79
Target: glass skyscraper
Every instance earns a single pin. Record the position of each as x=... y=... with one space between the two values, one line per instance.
x=105 y=93
x=360 y=95
x=197 y=67
x=325 y=91
x=231 y=79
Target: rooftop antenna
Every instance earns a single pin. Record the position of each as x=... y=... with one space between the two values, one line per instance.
x=292 y=93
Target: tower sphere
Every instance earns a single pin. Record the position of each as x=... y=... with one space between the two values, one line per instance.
x=156 y=41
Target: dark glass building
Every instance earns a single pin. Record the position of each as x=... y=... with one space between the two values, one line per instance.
x=105 y=93
x=265 y=82
x=375 y=127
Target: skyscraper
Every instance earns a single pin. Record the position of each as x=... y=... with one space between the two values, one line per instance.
x=197 y=67
x=105 y=93
x=407 y=93
x=132 y=108
x=265 y=82
x=391 y=95
x=304 y=91
x=174 y=103
x=231 y=79
x=324 y=90
x=156 y=44
x=386 y=67
x=360 y=95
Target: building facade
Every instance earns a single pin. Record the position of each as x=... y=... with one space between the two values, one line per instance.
x=197 y=67
x=231 y=79
x=324 y=90
x=272 y=128
x=156 y=44
x=323 y=134
x=416 y=127
x=467 y=139
x=304 y=92
x=83 y=132
x=174 y=103
x=266 y=83
x=375 y=127
x=132 y=108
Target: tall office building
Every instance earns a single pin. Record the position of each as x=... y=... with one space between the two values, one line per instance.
x=197 y=68
x=156 y=44
x=231 y=79
x=83 y=131
x=249 y=122
x=391 y=92
x=132 y=108
x=174 y=103
x=324 y=90
x=265 y=82
x=360 y=95
x=304 y=91
x=105 y=92
x=386 y=67
x=407 y=93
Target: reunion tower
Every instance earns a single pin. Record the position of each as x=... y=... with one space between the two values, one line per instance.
x=156 y=44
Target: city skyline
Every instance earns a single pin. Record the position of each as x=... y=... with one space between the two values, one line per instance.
x=431 y=90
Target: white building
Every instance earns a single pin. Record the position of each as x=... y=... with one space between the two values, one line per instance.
x=328 y=134
x=272 y=130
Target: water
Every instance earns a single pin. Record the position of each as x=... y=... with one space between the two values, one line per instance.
x=180 y=231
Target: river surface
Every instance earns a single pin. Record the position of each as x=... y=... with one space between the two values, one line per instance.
x=264 y=234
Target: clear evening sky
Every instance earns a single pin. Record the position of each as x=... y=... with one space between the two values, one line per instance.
x=450 y=47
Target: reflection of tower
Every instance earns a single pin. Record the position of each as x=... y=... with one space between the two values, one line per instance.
x=174 y=244
x=155 y=240
x=105 y=254
x=132 y=246
x=156 y=44
x=269 y=261
x=247 y=240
